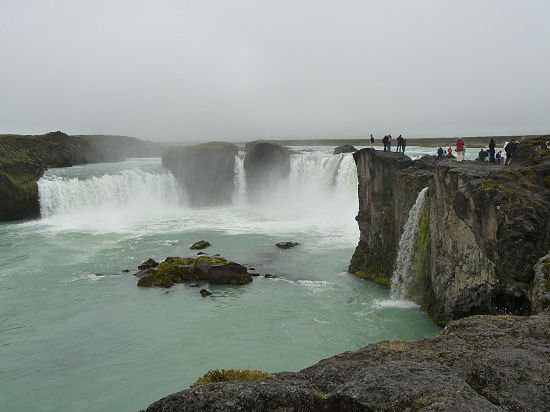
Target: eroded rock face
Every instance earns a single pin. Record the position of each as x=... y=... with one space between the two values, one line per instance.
x=205 y=172
x=483 y=229
x=265 y=165
x=374 y=256
x=539 y=293
x=482 y=363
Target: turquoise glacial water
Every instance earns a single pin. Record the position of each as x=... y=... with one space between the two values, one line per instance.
x=77 y=334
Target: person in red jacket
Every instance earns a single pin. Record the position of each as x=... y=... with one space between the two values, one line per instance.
x=460 y=150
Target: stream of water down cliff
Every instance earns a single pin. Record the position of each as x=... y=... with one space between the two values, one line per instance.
x=77 y=334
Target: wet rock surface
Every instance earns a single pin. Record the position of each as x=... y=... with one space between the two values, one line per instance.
x=265 y=165
x=201 y=244
x=286 y=245
x=215 y=270
x=205 y=172
x=481 y=363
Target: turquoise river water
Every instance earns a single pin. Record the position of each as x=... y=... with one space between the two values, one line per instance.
x=77 y=334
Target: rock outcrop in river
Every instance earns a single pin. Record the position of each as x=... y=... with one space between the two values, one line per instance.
x=265 y=165
x=205 y=172
x=480 y=236
x=23 y=160
x=482 y=363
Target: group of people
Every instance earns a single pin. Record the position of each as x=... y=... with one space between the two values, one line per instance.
x=386 y=142
x=460 y=151
x=484 y=155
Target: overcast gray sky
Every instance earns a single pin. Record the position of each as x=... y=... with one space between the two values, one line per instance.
x=248 y=69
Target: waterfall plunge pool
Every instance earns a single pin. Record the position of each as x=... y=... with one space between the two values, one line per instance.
x=76 y=333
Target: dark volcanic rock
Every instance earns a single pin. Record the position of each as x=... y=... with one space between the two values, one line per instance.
x=149 y=263
x=265 y=165
x=201 y=244
x=482 y=363
x=286 y=245
x=483 y=228
x=346 y=148
x=215 y=270
x=204 y=293
x=204 y=172
x=232 y=273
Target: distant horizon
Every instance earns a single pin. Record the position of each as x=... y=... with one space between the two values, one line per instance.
x=351 y=138
x=243 y=70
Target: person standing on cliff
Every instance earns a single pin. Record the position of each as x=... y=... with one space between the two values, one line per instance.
x=399 y=143
x=460 y=150
x=371 y=141
x=492 y=151
x=403 y=145
x=385 y=142
x=389 y=143
x=510 y=149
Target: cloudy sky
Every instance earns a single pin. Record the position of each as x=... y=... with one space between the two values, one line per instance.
x=248 y=69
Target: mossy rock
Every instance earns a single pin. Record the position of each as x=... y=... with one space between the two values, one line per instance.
x=172 y=270
x=230 y=375
x=201 y=244
x=149 y=263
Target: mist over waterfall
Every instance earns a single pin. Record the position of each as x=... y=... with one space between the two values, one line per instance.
x=130 y=190
x=320 y=192
x=403 y=275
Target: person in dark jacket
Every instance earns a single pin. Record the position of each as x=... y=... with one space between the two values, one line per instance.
x=385 y=142
x=371 y=141
x=492 y=151
x=399 y=143
x=440 y=153
x=510 y=150
x=403 y=145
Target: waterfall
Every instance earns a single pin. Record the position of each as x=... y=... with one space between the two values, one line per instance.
x=402 y=275
x=130 y=190
x=239 y=195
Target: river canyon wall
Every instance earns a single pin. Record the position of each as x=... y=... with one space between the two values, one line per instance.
x=23 y=160
x=483 y=230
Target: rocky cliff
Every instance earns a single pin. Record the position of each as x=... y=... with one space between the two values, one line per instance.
x=482 y=363
x=205 y=172
x=23 y=160
x=482 y=232
x=265 y=165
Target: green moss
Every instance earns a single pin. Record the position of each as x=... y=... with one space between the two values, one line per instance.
x=201 y=244
x=172 y=270
x=546 y=181
x=366 y=266
x=228 y=375
x=320 y=394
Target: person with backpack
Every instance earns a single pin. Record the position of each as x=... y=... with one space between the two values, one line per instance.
x=460 y=150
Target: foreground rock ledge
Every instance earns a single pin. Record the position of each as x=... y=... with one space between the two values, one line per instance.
x=481 y=363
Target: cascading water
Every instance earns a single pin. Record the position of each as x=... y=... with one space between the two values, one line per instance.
x=129 y=189
x=402 y=275
x=239 y=196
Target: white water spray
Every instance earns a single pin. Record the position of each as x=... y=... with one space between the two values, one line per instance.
x=239 y=195
x=130 y=190
x=402 y=275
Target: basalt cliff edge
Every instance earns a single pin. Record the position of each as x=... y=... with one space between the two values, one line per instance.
x=484 y=235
